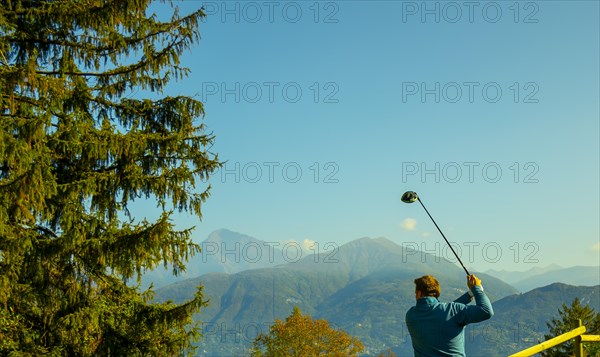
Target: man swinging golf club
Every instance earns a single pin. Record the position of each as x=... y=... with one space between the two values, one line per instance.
x=437 y=329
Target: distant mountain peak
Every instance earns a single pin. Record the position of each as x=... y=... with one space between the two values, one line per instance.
x=368 y=241
x=228 y=235
x=556 y=286
x=362 y=240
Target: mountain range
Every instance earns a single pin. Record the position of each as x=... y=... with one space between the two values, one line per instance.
x=364 y=287
x=224 y=251
x=537 y=277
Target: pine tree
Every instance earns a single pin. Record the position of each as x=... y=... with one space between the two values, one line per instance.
x=76 y=149
x=567 y=321
x=301 y=336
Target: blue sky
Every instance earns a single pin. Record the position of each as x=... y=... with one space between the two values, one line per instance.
x=326 y=112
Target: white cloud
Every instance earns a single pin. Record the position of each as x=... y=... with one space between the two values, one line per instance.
x=596 y=247
x=409 y=224
x=307 y=245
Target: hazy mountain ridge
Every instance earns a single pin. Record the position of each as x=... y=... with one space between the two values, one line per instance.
x=223 y=251
x=543 y=276
x=578 y=276
x=512 y=277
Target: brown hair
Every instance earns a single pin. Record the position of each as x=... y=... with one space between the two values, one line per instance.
x=428 y=286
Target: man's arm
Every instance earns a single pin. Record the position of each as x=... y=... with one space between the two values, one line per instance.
x=483 y=307
x=464 y=299
x=482 y=310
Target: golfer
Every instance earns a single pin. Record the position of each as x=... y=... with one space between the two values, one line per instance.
x=436 y=328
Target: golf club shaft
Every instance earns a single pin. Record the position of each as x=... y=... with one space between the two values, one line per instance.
x=443 y=236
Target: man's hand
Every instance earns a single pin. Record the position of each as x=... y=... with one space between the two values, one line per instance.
x=472 y=281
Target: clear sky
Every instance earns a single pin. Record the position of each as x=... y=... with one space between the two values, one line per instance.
x=326 y=112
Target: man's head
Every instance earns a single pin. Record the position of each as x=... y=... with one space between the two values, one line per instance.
x=427 y=285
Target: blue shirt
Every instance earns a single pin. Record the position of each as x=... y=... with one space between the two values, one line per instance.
x=437 y=329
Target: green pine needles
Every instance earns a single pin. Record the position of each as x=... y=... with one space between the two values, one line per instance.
x=75 y=150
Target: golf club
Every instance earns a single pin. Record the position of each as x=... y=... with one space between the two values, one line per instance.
x=410 y=197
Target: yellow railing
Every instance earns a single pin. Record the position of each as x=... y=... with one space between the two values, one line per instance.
x=577 y=334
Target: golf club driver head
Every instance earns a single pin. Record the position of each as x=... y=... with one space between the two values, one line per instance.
x=409 y=197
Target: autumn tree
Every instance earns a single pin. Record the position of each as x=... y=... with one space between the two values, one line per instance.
x=77 y=147
x=387 y=353
x=302 y=336
x=567 y=321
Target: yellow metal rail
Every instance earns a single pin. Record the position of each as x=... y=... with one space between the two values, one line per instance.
x=590 y=338
x=550 y=343
x=577 y=334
